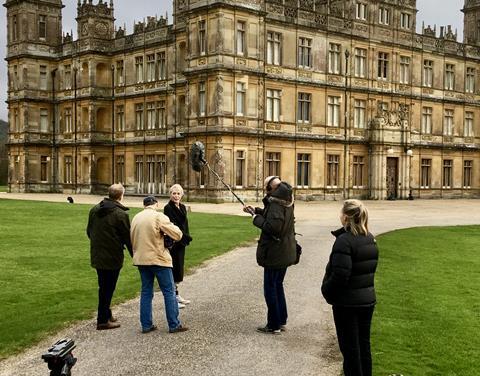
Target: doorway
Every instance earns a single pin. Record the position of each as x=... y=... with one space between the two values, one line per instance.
x=392 y=178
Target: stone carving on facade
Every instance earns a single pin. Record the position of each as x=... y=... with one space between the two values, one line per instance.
x=67 y=38
x=321 y=19
x=428 y=31
x=306 y=4
x=120 y=33
x=219 y=166
x=290 y=12
x=260 y=97
x=219 y=38
x=218 y=99
x=336 y=11
x=274 y=8
x=139 y=27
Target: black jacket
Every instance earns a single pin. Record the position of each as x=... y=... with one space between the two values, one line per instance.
x=109 y=232
x=277 y=247
x=178 y=216
x=350 y=272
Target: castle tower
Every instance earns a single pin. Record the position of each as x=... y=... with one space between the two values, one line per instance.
x=33 y=23
x=471 y=22
x=95 y=21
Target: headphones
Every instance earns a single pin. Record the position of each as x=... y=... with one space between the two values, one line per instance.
x=269 y=188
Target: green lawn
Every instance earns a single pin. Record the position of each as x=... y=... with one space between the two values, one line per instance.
x=45 y=272
x=3 y=188
x=427 y=321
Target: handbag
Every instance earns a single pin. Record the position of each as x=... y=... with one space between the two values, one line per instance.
x=298 y=249
x=168 y=242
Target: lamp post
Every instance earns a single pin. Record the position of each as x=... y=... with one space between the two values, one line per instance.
x=345 y=124
x=409 y=153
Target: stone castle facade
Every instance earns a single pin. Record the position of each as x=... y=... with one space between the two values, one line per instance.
x=342 y=98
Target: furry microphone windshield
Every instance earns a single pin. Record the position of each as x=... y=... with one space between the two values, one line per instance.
x=197 y=156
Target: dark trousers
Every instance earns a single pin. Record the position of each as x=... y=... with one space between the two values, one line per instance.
x=107 y=281
x=353 y=333
x=178 y=261
x=275 y=297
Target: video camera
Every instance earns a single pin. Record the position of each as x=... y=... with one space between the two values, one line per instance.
x=59 y=357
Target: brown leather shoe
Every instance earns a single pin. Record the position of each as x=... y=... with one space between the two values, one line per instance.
x=179 y=329
x=108 y=325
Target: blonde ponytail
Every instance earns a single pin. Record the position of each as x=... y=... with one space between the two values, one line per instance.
x=356 y=217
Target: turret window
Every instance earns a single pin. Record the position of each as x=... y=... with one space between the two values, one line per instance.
x=14 y=29
x=383 y=16
x=42 y=26
x=405 y=21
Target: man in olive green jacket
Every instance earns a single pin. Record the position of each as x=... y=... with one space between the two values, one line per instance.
x=109 y=232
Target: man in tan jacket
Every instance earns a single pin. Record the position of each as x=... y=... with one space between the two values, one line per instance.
x=153 y=260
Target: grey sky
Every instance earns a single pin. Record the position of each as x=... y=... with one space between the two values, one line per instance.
x=128 y=11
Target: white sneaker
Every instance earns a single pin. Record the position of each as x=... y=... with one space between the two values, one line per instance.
x=181 y=305
x=182 y=300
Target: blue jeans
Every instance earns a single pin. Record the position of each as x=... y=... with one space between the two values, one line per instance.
x=167 y=286
x=275 y=297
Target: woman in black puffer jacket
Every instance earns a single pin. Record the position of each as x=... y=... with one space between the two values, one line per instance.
x=348 y=286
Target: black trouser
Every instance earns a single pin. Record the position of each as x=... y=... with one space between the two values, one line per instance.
x=353 y=333
x=178 y=260
x=107 y=281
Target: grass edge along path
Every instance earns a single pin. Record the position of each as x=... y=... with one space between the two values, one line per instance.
x=45 y=274
x=427 y=318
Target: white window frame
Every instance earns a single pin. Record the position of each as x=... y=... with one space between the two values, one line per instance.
x=333 y=112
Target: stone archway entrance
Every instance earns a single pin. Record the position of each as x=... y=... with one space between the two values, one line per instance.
x=392 y=178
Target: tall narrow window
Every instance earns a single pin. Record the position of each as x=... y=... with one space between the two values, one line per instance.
x=333 y=163
x=241 y=100
x=161 y=114
x=447 y=173
x=44 y=168
x=241 y=38
x=360 y=62
x=42 y=26
x=304 y=52
x=120 y=73
x=449 y=77
x=427 y=120
x=361 y=11
x=334 y=58
x=273 y=48
x=359 y=115
x=470 y=80
x=273 y=105
x=44 y=120
x=448 y=124
x=405 y=20
x=139 y=116
x=16 y=122
x=358 y=171
x=333 y=112
x=382 y=65
x=15 y=83
x=43 y=77
x=139 y=173
x=14 y=28
x=428 y=73
x=272 y=160
x=202 y=99
x=468 y=129
x=120 y=169
x=303 y=170
x=67 y=176
x=240 y=168
x=404 y=70
x=67 y=77
x=120 y=126
x=150 y=67
x=139 y=69
x=151 y=121
x=161 y=66
x=68 y=120
x=304 y=108
x=467 y=173
x=202 y=37
x=383 y=16
x=426 y=173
